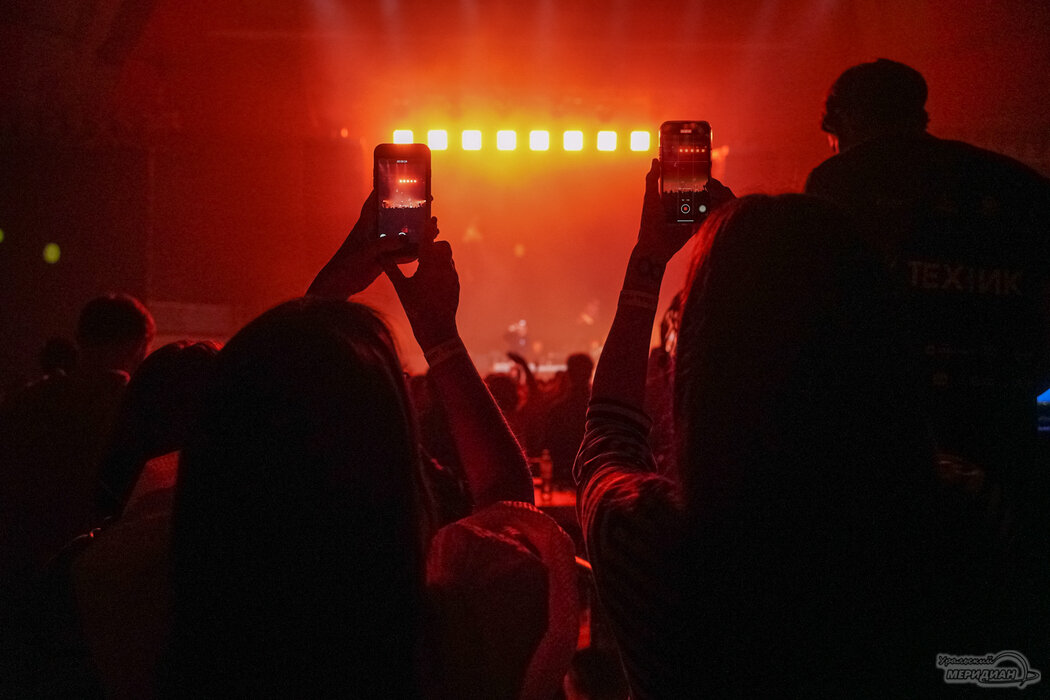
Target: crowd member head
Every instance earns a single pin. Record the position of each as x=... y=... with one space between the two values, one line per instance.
x=58 y=356
x=874 y=98
x=579 y=367
x=113 y=333
x=297 y=535
x=788 y=352
x=505 y=390
x=803 y=457
x=157 y=409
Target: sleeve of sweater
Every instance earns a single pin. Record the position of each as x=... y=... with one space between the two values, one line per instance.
x=632 y=523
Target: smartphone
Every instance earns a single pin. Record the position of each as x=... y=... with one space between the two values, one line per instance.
x=401 y=179
x=685 y=167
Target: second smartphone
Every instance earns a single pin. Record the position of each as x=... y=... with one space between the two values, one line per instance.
x=685 y=167
x=401 y=179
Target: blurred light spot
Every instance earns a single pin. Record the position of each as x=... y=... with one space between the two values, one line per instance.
x=471 y=140
x=52 y=253
x=606 y=140
x=539 y=140
x=587 y=318
x=640 y=141
x=344 y=132
x=572 y=140
x=403 y=136
x=472 y=234
x=506 y=140
x=1 y=235
x=437 y=139
x=519 y=250
x=537 y=346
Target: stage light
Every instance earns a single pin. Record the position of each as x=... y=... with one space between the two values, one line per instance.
x=437 y=139
x=640 y=140
x=539 y=140
x=606 y=140
x=572 y=140
x=403 y=136
x=472 y=140
x=506 y=140
x=52 y=253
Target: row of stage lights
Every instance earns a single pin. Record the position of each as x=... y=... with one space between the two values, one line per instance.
x=472 y=140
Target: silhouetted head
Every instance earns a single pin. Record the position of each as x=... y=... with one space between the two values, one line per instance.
x=297 y=536
x=113 y=332
x=875 y=98
x=789 y=369
x=579 y=367
x=504 y=390
x=158 y=407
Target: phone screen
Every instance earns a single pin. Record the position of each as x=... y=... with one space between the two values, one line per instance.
x=685 y=165
x=402 y=184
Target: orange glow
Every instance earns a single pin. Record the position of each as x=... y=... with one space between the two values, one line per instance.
x=403 y=136
x=640 y=141
x=506 y=140
x=539 y=140
x=572 y=140
x=606 y=140
x=437 y=139
x=471 y=140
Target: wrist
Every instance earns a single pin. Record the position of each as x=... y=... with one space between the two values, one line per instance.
x=439 y=353
x=432 y=338
x=645 y=271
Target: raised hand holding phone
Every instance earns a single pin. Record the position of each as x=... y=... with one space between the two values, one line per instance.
x=357 y=262
x=430 y=297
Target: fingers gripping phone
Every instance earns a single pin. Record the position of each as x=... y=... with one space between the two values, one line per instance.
x=401 y=179
x=685 y=167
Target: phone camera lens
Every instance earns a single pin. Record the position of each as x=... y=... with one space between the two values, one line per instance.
x=685 y=208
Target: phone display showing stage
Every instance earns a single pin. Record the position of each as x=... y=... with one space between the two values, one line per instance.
x=685 y=166
x=401 y=178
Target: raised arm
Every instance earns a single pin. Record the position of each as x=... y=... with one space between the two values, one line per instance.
x=492 y=460
x=356 y=264
x=621 y=371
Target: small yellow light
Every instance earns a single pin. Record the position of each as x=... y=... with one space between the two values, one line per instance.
x=403 y=136
x=52 y=253
x=640 y=140
x=506 y=140
x=539 y=140
x=572 y=141
x=471 y=140
x=437 y=139
x=606 y=140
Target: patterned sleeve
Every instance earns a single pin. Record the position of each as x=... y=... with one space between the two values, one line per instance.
x=632 y=525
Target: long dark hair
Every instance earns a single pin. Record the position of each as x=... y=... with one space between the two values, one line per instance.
x=804 y=460
x=789 y=349
x=297 y=539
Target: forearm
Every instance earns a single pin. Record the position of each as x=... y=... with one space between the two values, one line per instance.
x=492 y=460
x=621 y=371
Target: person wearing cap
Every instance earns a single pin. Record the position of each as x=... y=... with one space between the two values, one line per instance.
x=965 y=232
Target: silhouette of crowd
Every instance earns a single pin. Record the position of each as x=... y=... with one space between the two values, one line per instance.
x=826 y=475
